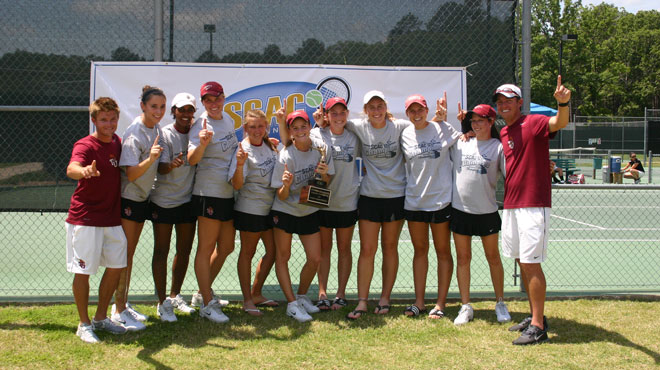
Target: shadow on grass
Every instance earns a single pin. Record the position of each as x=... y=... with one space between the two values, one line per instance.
x=565 y=331
x=192 y=331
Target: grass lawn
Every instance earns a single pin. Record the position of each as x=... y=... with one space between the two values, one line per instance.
x=584 y=333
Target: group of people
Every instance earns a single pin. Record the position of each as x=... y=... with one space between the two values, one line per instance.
x=195 y=174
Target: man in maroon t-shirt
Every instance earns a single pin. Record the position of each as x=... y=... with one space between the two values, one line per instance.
x=94 y=236
x=526 y=216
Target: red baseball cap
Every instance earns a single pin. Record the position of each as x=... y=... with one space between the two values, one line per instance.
x=416 y=99
x=296 y=114
x=334 y=101
x=211 y=88
x=483 y=110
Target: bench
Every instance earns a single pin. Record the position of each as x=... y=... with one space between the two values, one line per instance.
x=566 y=164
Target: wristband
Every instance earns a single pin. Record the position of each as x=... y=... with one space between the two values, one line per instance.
x=563 y=104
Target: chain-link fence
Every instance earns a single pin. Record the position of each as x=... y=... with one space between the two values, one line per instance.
x=45 y=54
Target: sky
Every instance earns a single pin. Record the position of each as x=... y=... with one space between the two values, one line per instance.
x=631 y=6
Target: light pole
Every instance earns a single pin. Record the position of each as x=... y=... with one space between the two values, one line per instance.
x=210 y=28
x=561 y=47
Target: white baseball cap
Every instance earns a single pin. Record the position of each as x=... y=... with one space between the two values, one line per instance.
x=508 y=90
x=372 y=94
x=183 y=99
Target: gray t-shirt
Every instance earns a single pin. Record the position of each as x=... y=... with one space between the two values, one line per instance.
x=135 y=148
x=174 y=188
x=255 y=196
x=303 y=166
x=385 y=176
x=476 y=168
x=345 y=184
x=213 y=169
x=428 y=166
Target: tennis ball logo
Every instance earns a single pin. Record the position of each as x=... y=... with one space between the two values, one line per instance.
x=313 y=98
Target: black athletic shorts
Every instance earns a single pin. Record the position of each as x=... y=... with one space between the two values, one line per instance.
x=475 y=225
x=380 y=209
x=295 y=225
x=134 y=211
x=221 y=209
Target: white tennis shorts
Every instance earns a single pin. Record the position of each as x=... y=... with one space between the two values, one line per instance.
x=88 y=247
x=525 y=233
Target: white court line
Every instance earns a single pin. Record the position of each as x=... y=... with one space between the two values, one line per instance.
x=603 y=240
x=608 y=206
x=579 y=222
x=608 y=229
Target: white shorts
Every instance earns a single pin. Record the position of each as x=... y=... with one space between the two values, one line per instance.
x=88 y=247
x=525 y=233
x=640 y=173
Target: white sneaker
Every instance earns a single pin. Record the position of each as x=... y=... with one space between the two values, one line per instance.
x=213 y=312
x=180 y=304
x=109 y=326
x=295 y=310
x=136 y=315
x=139 y=316
x=166 y=311
x=86 y=333
x=127 y=320
x=198 y=301
x=306 y=304
x=465 y=315
x=502 y=312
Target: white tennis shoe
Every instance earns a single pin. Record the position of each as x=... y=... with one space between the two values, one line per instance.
x=465 y=315
x=502 y=312
x=166 y=311
x=306 y=304
x=213 y=312
x=180 y=304
x=198 y=301
x=86 y=333
x=295 y=310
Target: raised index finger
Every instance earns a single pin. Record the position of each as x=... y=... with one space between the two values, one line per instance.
x=156 y=141
x=204 y=124
x=459 y=107
x=94 y=165
x=558 y=81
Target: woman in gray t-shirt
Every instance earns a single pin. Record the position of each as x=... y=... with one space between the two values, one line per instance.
x=250 y=174
x=425 y=146
x=139 y=162
x=478 y=163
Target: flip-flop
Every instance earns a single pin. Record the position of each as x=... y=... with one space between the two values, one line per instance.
x=341 y=302
x=253 y=311
x=416 y=311
x=323 y=304
x=436 y=314
x=267 y=303
x=355 y=312
x=380 y=308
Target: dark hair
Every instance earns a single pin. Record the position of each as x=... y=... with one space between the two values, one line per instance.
x=148 y=91
x=466 y=126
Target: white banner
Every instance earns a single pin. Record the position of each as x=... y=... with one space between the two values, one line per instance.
x=265 y=86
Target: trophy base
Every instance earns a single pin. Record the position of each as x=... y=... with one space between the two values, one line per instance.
x=315 y=196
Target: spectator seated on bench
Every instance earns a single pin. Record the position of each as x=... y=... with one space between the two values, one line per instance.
x=567 y=165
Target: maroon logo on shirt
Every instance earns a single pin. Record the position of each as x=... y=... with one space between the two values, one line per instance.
x=511 y=144
x=81 y=263
x=127 y=211
x=209 y=211
x=275 y=220
x=154 y=215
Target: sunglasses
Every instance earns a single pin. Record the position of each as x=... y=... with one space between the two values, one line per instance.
x=186 y=109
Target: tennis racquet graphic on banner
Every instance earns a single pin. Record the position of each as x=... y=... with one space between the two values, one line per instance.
x=334 y=86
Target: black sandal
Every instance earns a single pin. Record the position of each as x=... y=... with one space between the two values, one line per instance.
x=355 y=312
x=381 y=308
x=323 y=304
x=414 y=310
x=340 y=302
